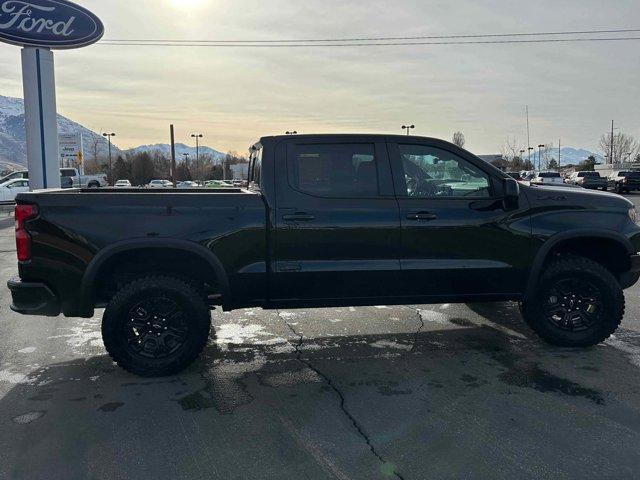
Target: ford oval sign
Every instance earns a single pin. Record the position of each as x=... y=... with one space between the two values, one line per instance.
x=48 y=24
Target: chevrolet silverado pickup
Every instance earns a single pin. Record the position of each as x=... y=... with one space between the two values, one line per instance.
x=327 y=220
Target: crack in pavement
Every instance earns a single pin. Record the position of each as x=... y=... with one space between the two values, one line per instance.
x=420 y=328
x=386 y=465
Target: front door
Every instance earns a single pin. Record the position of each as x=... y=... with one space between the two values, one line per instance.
x=337 y=221
x=457 y=237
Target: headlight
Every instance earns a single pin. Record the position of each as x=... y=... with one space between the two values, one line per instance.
x=633 y=214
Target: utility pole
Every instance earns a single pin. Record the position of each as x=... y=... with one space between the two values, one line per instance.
x=108 y=136
x=611 y=146
x=173 y=156
x=559 y=153
x=528 y=134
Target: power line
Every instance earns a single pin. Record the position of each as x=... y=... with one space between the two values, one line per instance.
x=372 y=44
x=382 y=39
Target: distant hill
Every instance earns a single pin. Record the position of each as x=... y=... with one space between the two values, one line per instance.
x=181 y=148
x=569 y=156
x=13 y=146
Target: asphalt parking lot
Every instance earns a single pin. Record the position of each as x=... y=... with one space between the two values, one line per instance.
x=411 y=392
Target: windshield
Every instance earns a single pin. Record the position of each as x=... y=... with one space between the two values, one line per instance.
x=629 y=174
x=589 y=175
x=549 y=175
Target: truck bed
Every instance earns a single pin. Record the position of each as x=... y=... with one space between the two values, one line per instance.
x=75 y=227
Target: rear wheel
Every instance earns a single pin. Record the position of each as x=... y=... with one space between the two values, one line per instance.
x=93 y=185
x=156 y=326
x=578 y=303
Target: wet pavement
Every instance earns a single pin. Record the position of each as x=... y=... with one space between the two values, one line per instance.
x=412 y=392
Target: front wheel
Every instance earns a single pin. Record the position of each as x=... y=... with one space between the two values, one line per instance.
x=578 y=303
x=156 y=326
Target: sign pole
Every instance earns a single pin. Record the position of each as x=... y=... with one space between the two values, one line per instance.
x=40 y=118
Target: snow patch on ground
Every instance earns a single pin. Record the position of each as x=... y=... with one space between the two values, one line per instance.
x=433 y=316
x=237 y=334
x=84 y=336
x=390 y=344
x=632 y=351
x=12 y=377
x=27 y=350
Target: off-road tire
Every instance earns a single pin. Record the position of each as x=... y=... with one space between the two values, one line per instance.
x=610 y=314
x=194 y=321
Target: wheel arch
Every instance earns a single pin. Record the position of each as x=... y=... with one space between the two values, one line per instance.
x=568 y=238
x=89 y=280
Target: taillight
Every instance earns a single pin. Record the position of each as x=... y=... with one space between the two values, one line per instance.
x=23 y=239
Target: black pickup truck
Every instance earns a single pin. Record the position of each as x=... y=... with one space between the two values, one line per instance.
x=328 y=220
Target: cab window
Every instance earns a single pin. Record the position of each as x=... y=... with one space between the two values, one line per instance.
x=334 y=170
x=431 y=172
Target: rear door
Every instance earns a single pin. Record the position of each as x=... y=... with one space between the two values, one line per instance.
x=457 y=238
x=337 y=220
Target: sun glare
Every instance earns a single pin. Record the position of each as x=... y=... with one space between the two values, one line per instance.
x=186 y=3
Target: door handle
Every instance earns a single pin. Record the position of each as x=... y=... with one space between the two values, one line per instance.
x=298 y=217
x=426 y=216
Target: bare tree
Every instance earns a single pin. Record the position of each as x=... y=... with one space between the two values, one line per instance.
x=625 y=147
x=458 y=139
x=547 y=154
x=511 y=149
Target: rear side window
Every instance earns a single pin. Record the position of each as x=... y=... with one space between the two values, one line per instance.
x=334 y=171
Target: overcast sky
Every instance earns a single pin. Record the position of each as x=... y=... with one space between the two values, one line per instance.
x=234 y=95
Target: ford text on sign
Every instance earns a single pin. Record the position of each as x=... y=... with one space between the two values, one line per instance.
x=48 y=24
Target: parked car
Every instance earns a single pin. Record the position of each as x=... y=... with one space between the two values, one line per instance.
x=587 y=180
x=217 y=184
x=547 y=178
x=624 y=181
x=11 y=188
x=188 y=184
x=527 y=176
x=84 y=181
x=160 y=184
x=14 y=175
x=69 y=178
x=123 y=184
x=337 y=220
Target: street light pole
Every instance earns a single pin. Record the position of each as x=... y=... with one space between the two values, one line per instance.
x=408 y=128
x=108 y=136
x=540 y=157
x=197 y=136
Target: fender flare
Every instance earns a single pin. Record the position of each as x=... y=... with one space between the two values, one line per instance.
x=548 y=245
x=87 y=285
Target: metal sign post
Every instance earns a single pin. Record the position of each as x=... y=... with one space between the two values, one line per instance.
x=40 y=118
x=39 y=26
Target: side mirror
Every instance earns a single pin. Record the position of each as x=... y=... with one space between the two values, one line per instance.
x=511 y=190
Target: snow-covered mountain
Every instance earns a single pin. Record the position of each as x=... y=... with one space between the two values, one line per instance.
x=181 y=149
x=13 y=146
x=573 y=156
